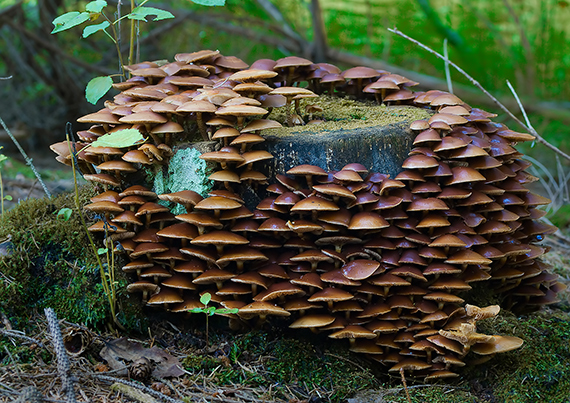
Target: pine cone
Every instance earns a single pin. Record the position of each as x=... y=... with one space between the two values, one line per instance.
x=140 y=369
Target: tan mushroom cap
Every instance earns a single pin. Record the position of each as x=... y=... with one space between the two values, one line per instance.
x=240 y=110
x=312 y=321
x=147 y=117
x=252 y=75
x=411 y=364
x=217 y=203
x=104 y=207
x=219 y=238
x=261 y=309
x=498 y=344
x=103 y=116
x=165 y=296
x=197 y=106
x=260 y=124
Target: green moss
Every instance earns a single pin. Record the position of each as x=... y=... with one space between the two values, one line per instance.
x=539 y=370
x=48 y=263
x=345 y=113
x=277 y=361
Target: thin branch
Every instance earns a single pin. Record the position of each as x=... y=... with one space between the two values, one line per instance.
x=523 y=111
x=530 y=129
x=16 y=334
x=143 y=388
x=28 y=159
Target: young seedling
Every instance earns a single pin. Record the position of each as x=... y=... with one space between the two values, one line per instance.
x=95 y=11
x=210 y=310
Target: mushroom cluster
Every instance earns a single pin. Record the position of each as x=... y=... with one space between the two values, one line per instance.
x=384 y=262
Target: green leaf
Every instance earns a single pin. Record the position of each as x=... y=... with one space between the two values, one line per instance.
x=69 y=20
x=210 y=310
x=140 y=13
x=3 y=157
x=196 y=310
x=91 y=29
x=96 y=6
x=8 y=197
x=119 y=139
x=229 y=310
x=205 y=298
x=98 y=87
x=64 y=214
x=101 y=251
x=210 y=3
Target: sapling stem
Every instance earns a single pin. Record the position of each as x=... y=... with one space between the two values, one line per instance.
x=104 y=281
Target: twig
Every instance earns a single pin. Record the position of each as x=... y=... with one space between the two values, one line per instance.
x=405 y=385
x=531 y=130
x=519 y=103
x=137 y=386
x=61 y=353
x=6 y=78
x=12 y=333
x=28 y=159
x=446 y=65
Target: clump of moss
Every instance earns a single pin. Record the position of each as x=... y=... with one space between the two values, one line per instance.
x=48 y=263
x=346 y=113
x=276 y=361
x=539 y=370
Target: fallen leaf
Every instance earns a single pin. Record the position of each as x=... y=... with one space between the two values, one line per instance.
x=119 y=353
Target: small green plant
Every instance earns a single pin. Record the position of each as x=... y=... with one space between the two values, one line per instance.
x=210 y=310
x=95 y=11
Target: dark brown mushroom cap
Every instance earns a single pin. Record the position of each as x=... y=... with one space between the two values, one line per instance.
x=353 y=332
x=104 y=207
x=331 y=294
x=148 y=248
x=212 y=276
x=143 y=286
x=241 y=254
x=314 y=203
x=217 y=203
x=367 y=220
x=360 y=269
x=200 y=220
x=179 y=231
x=105 y=179
x=184 y=197
x=151 y=208
x=279 y=290
x=138 y=190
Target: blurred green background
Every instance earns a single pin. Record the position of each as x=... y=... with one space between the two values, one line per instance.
x=524 y=41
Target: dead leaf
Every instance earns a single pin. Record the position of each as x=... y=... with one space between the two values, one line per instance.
x=119 y=353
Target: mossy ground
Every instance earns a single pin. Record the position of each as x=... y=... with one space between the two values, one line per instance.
x=48 y=262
